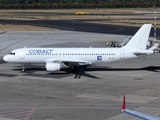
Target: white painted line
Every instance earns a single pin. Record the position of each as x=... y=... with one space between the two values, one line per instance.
x=29 y=115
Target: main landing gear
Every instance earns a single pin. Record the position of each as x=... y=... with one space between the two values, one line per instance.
x=79 y=70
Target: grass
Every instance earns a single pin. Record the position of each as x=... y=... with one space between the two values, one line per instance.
x=6 y=27
x=93 y=11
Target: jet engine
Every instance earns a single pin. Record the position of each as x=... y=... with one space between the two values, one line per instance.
x=52 y=67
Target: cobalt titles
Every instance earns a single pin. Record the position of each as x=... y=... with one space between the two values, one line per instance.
x=40 y=51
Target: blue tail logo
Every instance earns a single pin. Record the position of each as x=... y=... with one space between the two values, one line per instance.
x=99 y=58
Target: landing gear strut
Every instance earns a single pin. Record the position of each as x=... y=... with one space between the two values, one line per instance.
x=74 y=69
x=23 y=67
x=79 y=71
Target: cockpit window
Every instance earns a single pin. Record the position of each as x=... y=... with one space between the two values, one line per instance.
x=12 y=53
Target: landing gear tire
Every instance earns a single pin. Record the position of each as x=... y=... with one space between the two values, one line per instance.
x=23 y=67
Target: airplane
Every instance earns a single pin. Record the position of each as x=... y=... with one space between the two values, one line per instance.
x=135 y=113
x=57 y=58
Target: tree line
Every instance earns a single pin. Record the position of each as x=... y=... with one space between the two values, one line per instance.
x=51 y=4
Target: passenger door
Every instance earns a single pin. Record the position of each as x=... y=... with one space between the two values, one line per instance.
x=122 y=54
x=22 y=54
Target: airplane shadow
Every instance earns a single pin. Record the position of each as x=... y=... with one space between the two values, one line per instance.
x=30 y=71
x=149 y=68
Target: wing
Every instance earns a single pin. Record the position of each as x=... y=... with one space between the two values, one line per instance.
x=69 y=61
x=140 y=115
x=137 y=114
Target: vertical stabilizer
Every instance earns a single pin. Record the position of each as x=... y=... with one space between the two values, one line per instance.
x=123 y=103
x=139 y=40
x=137 y=114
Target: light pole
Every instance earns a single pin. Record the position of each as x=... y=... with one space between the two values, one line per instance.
x=155 y=23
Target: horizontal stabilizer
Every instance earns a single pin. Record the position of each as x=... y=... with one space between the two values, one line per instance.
x=154 y=47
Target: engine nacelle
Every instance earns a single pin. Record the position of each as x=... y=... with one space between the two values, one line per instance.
x=52 y=67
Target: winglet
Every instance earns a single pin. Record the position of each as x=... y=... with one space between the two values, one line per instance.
x=123 y=103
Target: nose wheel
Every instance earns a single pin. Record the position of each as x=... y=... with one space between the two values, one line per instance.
x=23 y=67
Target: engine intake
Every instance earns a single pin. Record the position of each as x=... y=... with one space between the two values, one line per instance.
x=52 y=67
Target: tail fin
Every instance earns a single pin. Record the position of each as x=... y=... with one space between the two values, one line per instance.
x=139 y=40
x=123 y=103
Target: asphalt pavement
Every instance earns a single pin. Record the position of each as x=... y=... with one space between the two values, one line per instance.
x=79 y=25
x=39 y=95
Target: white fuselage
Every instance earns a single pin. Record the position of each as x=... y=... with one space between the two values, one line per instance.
x=91 y=55
x=57 y=58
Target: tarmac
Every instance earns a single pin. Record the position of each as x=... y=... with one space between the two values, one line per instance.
x=97 y=95
x=81 y=26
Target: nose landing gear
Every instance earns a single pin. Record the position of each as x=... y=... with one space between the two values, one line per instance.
x=23 y=67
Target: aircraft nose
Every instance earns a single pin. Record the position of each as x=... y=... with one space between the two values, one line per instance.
x=6 y=58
